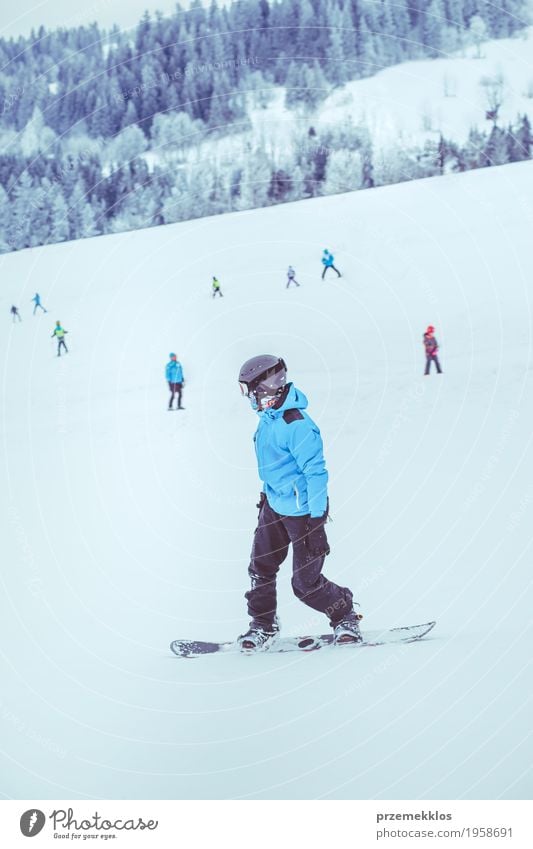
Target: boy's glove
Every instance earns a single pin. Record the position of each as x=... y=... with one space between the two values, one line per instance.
x=316 y=539
x=261 y=502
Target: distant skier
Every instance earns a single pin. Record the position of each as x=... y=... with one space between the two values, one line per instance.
x=293 y=508
x=216 y=288
x=431 y=346
x=59 y=334
x=15 y=313
x=174 y=376
x=37 y=301
x=327 y=262
x=291 y=277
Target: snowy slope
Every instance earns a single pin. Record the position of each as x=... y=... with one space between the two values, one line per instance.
x=125 y=526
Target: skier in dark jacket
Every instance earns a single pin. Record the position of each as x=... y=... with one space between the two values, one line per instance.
x=216 y=288
x=293 y=508
x=15 y=313
x=431 y=347
x=174 y=375
x=291 y=276
x=59 y=334
x=37 y=301
x=327 y=262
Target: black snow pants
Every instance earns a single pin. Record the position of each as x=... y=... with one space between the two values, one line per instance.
x=61 y=344
x=432 y=359
x=273 y=535
x=334 y=269
x=175 y=389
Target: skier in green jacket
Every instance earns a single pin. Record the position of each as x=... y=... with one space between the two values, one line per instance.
x=59 y=334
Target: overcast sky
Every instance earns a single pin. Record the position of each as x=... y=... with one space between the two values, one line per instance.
x=18 y=18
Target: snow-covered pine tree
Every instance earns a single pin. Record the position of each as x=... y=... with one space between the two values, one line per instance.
x=18 y=229
x=344 y=172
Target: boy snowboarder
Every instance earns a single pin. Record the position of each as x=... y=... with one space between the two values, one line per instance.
x=291 y=276
x=432 y=347
x=37 y=301
x=15 y=313
x=293 y=508
x=327 y=262
x=59 y=333
x=174 y=376
x=216 y=288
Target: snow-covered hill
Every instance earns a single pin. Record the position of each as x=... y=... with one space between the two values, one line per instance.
x=402 y=106
x=409 y=103
x=416 y=101
x=125 y=526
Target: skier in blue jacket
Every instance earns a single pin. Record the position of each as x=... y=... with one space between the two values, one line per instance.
x=293 y=507
x=327 y=262
x=37 y=301
x=174 y=376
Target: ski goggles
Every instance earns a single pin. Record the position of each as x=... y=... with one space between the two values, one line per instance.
x=257 y=390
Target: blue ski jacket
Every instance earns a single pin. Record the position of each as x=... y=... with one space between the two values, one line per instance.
x=290 y=458
x=174 y=372
x=327 y=259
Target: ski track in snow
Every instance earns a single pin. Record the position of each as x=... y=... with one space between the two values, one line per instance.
x=125 y=527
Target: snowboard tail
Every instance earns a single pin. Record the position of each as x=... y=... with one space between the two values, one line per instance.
x=312 y=642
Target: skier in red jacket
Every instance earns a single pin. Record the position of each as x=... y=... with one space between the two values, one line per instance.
x=432 y=347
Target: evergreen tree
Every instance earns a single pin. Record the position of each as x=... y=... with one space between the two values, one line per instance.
x=478 y=33
x=472 y=152
x=495 y=151
x=37 y=136
x=128 y=144
x=59 y=213
x=5 y=213
x=255 y=181
x=40 y=214
x=174 y=205
x=337 y=70
x=523 y=140
x=432 y=26
x=344 y=172
x=173 y=133
x=80 y=214
x=280 y=186
x=306 y=86
x=138 y=210
x=18 y=229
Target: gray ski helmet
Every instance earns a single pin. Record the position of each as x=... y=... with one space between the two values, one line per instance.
x=263 y=378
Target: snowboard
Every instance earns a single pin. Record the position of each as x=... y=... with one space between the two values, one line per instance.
x=407 y=634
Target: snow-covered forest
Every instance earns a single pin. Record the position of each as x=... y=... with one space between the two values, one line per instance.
x=105 y=131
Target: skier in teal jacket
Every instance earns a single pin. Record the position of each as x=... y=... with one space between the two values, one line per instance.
x=293 y=507
x=327 y=262
x=174 y=376
x=37 y=301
